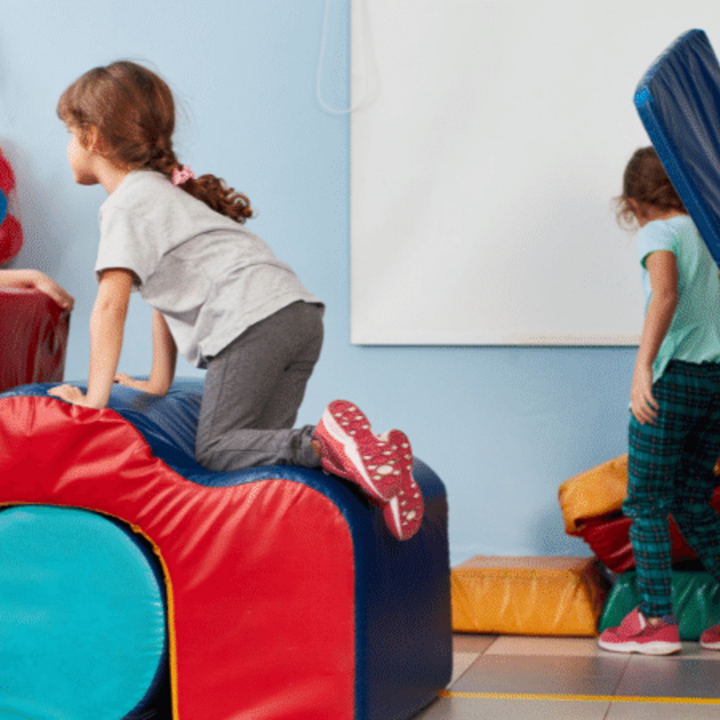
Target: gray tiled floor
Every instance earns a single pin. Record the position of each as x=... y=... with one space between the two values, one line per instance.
x=533 y=678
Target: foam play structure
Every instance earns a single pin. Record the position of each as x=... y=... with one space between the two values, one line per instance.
x=678 y=101
x=591 y=504
x=34 y=332
x=557 y=596
x=274 y=592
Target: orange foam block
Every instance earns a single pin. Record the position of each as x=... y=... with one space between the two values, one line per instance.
x=561 y=596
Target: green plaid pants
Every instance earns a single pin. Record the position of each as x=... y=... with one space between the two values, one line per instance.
x=670 y=471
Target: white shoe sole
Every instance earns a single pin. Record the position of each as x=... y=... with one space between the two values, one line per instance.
x=652 y=648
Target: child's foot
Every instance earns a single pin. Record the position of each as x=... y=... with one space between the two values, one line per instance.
x=380 y=466
x=349 y=448
x=403 y=513
x=710 y=639
x=636 y=634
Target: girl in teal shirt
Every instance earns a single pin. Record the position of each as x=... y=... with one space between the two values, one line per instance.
x=674 y=438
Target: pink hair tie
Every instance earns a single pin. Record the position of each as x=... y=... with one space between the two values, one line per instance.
x=182 y=176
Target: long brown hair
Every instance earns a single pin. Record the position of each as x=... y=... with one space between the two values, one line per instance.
x=645 y=181
x=133 y=112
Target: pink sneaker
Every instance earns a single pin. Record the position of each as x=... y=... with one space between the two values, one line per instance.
x=403 y=513
x=636 y=634
x=349 y=449
x=710 y=639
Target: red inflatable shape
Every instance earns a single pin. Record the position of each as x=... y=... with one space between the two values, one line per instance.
x=34 y=331
x=222 y=550
x=609 y=538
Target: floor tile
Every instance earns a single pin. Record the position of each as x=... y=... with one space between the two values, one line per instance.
x=693 y=650
x=461 y=663
x=544 y=675
x=490 y=709
x=531 y=646
x=517 y=678
x=466 y=642
x=671 y=676
x=661 y=711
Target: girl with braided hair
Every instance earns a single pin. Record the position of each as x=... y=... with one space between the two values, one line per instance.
x=219 y=297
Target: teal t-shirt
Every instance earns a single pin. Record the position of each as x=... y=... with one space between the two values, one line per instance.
x=694 y=334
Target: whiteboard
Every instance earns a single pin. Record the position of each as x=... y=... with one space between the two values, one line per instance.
x=488 y=138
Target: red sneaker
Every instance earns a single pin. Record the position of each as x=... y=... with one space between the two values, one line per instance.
x=636 y=634
x=710 y=639
x=351 y=450
x=403 y=513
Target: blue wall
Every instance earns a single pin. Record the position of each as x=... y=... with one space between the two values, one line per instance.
x=503 y=427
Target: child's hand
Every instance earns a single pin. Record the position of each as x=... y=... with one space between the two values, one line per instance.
x=643 y=404
x=58 y=294
x=145 y=386
x=70 y=394
x=35 y=279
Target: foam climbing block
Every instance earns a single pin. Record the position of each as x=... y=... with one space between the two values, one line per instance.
x=286 y=594
x=678 y=100
x=593 y=493
x=527 y=595
x=591 y=503
x=609 y=539
x=695 y=599
x=66 y=577
x=34 y=331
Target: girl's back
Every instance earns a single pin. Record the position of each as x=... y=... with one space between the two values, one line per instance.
x=694 y=335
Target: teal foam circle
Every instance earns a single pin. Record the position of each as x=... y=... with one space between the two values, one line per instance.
x=82 y=616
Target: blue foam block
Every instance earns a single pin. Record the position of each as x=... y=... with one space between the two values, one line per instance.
x=678 y=101
x=69 y=577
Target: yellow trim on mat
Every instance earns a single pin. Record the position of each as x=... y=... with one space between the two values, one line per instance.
x=577 y=698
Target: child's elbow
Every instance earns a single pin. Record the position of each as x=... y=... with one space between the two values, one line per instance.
x=112 y=308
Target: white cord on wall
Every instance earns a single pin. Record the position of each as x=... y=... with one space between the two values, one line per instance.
x=356 y=31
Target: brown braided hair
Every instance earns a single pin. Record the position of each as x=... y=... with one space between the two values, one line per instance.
x=646 y=182
x=133 y=111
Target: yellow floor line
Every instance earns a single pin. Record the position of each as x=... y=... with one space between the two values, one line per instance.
x=578 y=698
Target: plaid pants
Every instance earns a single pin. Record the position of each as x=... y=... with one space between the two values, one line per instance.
x=670 y=471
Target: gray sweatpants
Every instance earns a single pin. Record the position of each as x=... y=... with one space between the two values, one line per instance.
x=253 y=390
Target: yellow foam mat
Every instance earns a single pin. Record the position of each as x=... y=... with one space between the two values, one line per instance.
x=592 y=493
x=559 y=596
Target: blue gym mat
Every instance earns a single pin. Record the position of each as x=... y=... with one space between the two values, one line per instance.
x=678 y=100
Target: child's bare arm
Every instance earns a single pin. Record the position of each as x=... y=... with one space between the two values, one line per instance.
x=107 y=325
x=163 y=365
x=662 y=267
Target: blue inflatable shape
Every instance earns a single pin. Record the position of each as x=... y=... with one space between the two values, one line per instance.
x=678 y=101
x=67 y=577
x=3 y=206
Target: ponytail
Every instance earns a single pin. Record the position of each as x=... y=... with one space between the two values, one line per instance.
x=213 y=191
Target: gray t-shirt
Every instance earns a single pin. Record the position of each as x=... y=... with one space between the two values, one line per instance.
x=209 y=276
